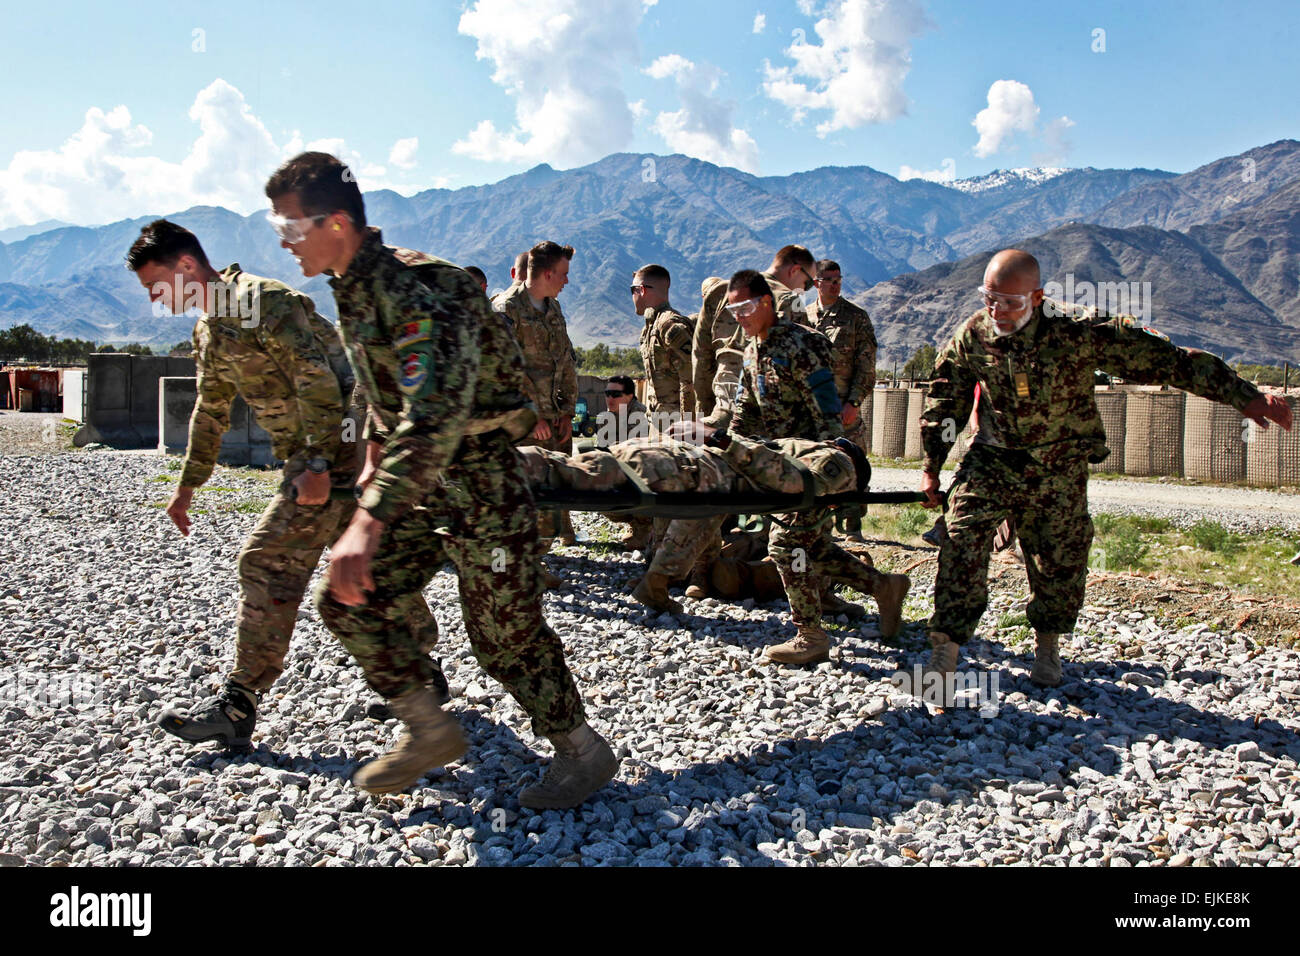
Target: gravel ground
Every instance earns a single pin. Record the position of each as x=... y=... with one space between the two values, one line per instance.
x=1239 y=509
x=1164 y=747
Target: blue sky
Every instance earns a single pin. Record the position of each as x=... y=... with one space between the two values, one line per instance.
x=129 y=109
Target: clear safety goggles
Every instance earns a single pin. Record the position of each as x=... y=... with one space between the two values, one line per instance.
x=293 y=230
x=1009 y=301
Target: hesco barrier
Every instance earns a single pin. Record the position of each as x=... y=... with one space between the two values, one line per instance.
x=1214 y=441
x=1112 y=404
x=1153 y=433
x=1273 y=455
x=912 y=436
x=889 y=422
x=866 y=408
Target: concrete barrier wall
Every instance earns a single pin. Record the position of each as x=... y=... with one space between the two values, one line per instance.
x=74 y=394
x=122 y=397
x=246 y=443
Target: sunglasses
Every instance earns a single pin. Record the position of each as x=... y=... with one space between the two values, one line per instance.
x=609 y=393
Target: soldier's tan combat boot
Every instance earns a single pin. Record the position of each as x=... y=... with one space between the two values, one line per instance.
x=811 y=645
x=1047 y=660
x=652 y=591
x=726 y=576
x=432 y=738
x=938 y=689
x=583 y=763
x=698 y=589
x=889 y=594
x=833 y=606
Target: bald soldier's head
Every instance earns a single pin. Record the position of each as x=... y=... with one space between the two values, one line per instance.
x=1012 y=290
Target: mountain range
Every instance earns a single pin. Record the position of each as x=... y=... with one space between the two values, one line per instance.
x=1220 y=245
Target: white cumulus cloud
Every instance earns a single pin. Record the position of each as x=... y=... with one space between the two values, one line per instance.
x=856 y=72
x=760 y=22
x=104 y=171
x=946 y=173
x=562 y=62
x=704 y=126
x=1011 y=110
x=402 y=155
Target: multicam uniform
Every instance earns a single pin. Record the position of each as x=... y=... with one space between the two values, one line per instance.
x=670 y=466
x=445 y=387
x=788 y=391
x=1038 y=429
x=549 y=363
x=853 y=345
x=666 y=353
x=287 y=363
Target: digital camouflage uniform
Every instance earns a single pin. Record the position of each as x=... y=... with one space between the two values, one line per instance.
x=444 y=382
x=853 y=342
x=745 y=465
x=550 y=366
x=287 y=363
x=1038 y=430
x=717 y=350
x=719 y=347
x=787 y=390
x=666 y=353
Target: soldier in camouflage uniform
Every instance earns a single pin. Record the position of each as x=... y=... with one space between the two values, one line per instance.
x=1033 y=361
x=665 y=344
x=853 y=343
x=716 y=350
x=719 y=342
x=788 y=391
x=444 y=384
x=262 y=340
x=533 y=312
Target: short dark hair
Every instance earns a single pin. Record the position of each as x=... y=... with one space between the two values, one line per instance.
x=521 y=266
x=828 y=265
x=545 y=255
x=477 y=273
x=655 y=272
x=792 y=255
x=752 y=282
x=324 y=185
x=164 y=242
x=623 y=382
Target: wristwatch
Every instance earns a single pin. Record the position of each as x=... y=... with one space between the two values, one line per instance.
x=318 y=466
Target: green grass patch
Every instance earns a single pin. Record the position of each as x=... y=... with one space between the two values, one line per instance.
x=1205 y=553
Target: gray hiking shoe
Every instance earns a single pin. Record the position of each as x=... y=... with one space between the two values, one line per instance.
x=228 y=717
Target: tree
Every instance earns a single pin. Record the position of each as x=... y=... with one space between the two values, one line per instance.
x=920 y=367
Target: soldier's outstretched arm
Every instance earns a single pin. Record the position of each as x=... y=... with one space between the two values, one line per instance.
x=1125 y=350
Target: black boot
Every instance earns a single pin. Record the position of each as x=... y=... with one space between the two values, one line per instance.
x=228 y=717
